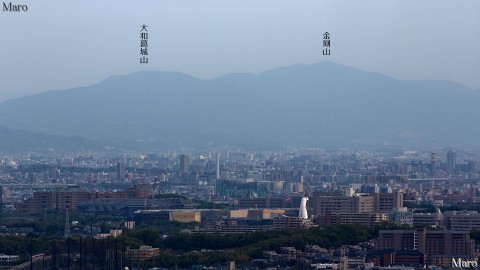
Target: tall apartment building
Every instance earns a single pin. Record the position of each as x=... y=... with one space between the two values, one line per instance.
x=365 y=219
x=121 y=172
x=270 y=202
x=358 y=203
x=431 y=243
x=184 y=163
x=386 y=202
x=451 y=160
x=397 y=239
x=423 y=219
x=68 y=200
x=63 y=200
x=39 y=202
x=463 y=221
x=344 y=204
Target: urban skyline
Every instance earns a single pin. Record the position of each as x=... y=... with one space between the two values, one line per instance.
x=232 y=135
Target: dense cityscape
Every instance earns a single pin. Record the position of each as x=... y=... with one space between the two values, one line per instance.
x=240 y=135
x=407 y=209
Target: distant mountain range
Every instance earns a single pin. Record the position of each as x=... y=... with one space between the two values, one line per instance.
x=317 y=105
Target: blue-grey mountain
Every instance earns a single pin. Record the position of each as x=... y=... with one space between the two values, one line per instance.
x=321 y=105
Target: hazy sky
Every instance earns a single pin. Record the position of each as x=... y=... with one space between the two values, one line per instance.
x=64 y=44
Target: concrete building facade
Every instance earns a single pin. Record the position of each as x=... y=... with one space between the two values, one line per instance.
x=431 y=243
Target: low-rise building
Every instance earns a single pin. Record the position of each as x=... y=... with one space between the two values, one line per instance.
x=143 y=253
x=9 y=258
x=291 y=223
x=113 y=233
x=388 y=257
x=185 y=216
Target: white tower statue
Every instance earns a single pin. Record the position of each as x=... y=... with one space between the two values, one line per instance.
x=302 y=213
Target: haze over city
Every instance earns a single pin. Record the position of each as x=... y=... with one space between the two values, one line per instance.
x=205 y=135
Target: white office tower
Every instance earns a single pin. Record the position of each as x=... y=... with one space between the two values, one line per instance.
x=302 y=213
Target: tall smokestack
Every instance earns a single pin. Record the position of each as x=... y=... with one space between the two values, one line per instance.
x=218 y=166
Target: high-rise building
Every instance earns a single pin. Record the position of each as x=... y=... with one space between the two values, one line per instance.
x=463 y=221
x=387 y=202
x=40 y=201
x=431 y=243
x=423 y=219
x=358 y=203
x=343 y=204
x=184 y=163
x=451 y=160
x=365 y=219
x=217 y=175
x=64 y=200
x=121 y=171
